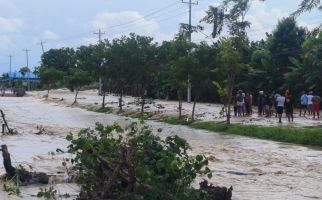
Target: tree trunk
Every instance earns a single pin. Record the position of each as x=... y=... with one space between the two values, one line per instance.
x=193 y=107
x=23 y=175
x=143 y=100
x=103 y=103
x=75 y=100
x=48 y=91
x=180 y=103
x=142 y=104
x=231 y=81
x=120 y=100
x=11 y=171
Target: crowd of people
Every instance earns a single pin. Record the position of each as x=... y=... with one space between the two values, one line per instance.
x=269 y=104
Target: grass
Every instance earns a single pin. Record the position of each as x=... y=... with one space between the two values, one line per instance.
x=175 y=121
x=104 y=110
x=303 y=136
x=139 y=115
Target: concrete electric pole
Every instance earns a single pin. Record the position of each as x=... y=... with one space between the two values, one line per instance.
x=189 y=35
x=99 y=33
x=27 y=57
x=10 y=83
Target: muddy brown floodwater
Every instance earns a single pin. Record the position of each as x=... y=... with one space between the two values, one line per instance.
x=257 y=169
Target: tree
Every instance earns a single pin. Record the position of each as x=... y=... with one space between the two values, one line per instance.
x=230 y=61
x=77 y=78
x=120 y=71
x=24 y=70
x=178 y=77
x=62 y=59
x=285 y=42
x=49 y=76
x=308 y=5
x=230 y=14
x=142 y=58
x=93 y=58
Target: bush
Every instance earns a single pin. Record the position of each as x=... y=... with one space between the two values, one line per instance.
x=133 y=163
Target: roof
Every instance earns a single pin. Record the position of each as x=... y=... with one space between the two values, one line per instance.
x=28 y=75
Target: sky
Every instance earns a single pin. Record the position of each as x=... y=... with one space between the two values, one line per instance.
x=72 y=23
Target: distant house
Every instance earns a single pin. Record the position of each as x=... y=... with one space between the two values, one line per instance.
x=25 y=81
x=12 y=76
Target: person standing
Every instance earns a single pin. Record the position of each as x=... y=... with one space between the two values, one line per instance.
x=280 y=106
x=309 y=103
x=248 y=103
x=289 y=107
x=267 y=105
x=275 y=103
x=240 y=102
x=304 y=100
x=260 y=103
x=316 y=100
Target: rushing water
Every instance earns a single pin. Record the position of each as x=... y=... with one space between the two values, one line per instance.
x=257 y=169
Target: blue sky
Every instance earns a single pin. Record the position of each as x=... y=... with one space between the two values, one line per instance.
x=71 y=23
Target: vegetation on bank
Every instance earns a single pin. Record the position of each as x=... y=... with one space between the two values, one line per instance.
x=303 y=136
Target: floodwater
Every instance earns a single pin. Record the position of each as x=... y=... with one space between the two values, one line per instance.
x=257 y=169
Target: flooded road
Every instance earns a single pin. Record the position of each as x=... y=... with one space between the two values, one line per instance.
x=256 y=169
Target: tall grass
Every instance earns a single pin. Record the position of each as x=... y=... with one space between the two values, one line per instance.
x=305 y=136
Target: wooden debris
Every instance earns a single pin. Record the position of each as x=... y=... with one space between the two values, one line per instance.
x=24 y=176
x=5 y=126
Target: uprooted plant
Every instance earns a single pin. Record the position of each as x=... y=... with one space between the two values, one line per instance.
x=133 y=163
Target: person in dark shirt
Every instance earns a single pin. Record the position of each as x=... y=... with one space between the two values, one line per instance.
x=260 y=103
x=289 y=107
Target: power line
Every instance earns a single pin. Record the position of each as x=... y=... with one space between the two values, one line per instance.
x=154 y=17
x=27 y=56
x=127 y=23
x=145 y=16
x=161 y=20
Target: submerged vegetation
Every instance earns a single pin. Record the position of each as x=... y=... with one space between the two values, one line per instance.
x=133 y=163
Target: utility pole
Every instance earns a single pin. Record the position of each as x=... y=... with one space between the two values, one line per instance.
x=189 y=36
x=42 y=45
x=99 y=33
x=10 y=83
x=10 y=56
x=27 y=57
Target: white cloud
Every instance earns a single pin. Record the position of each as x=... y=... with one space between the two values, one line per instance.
x=262 y=19
x=89 y=40
x=122 y=23
x=6 y=5
x=4 y=41
x=49 y=35
x=10 y=25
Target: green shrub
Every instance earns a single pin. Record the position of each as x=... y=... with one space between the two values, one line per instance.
x=133 y=163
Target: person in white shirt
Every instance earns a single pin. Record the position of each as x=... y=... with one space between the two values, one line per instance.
x=280 y=100
x=309 y=102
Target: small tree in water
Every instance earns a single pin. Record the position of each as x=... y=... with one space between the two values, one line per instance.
x=230 y=14
x=76 y=80
x=49 y=76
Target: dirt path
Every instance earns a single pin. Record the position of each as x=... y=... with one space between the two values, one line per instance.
x=257 y=169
